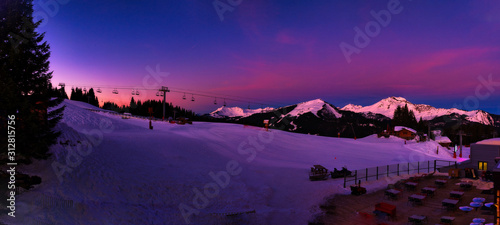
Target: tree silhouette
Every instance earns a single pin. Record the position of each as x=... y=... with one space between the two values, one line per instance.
x=404 y=117
x=89 y=97
x=25 y=88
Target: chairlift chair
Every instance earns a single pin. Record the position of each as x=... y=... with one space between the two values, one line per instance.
x=184 y=96
x=137 y=92
x=157 y=93
x=115 y=91
x=224 y=103
x=133 y=92
x=192 y=98
x=99 y=90
x=215 y=101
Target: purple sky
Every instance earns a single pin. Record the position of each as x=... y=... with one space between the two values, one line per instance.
x=281 y=52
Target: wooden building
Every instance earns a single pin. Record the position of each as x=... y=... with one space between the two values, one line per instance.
x=443 y=141
x=405 y=132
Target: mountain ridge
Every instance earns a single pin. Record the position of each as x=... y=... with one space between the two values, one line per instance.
x=378 y=110
x=388 y=105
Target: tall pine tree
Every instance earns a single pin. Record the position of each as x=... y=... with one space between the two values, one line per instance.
x=25 y=89
x=404 y=117
x=91 y=98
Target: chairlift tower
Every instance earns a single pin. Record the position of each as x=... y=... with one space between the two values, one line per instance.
x=460 y=133
x=62 y=85
x=164 y=90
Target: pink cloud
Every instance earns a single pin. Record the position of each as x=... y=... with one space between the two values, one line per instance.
x=258 y=74
x=446 y=57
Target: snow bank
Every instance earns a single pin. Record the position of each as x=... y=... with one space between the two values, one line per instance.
x=492 y=141
x=442 y=139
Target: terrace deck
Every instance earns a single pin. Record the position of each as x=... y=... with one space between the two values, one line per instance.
x=348 y=209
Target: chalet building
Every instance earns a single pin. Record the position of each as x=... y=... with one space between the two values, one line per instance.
x=443 y=141
x=405 y=132
x=484 y=153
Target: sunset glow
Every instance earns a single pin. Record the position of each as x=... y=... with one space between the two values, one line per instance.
x=280 y=52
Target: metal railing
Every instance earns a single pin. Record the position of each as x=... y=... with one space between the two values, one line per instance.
x=376 y=173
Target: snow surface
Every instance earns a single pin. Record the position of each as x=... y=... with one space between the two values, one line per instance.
x=442 y=139
x=492 y=141
x=133 y=175
x=387 y=107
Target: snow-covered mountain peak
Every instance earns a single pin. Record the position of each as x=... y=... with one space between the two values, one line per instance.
x=236 y=112
x=351 y=107
x=392 y=101
x=387 y=107
x=395 y=99
x=401 y=99
x=313 y=107
x=314 y=101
